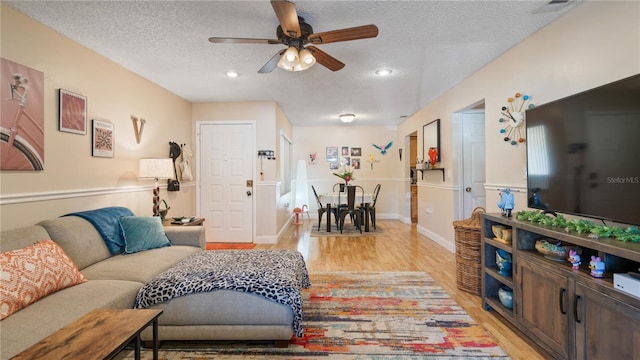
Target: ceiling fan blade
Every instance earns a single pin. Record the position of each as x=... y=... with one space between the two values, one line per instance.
x=354 y=33
x=272 y=63
x=288 y=17
x=325 y=59
x=223 y=40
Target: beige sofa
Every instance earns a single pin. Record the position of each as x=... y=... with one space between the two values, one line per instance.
x=114 y=281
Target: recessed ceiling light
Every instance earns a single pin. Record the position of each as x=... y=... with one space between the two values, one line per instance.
x=347 y=118
x=232 y=74
x=383 y=72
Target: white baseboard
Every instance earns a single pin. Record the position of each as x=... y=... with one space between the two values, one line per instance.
x=437 y=238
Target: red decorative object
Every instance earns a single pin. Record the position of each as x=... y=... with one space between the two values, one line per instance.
x=433 y=156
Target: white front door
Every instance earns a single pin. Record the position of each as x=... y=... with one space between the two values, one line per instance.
x=474 y=161
x=225 y=181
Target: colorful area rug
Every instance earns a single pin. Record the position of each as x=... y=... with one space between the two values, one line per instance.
x=388 y=315
x=230 y=246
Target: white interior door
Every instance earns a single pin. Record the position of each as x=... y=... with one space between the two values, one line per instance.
x=225 y=181
x=474 y=161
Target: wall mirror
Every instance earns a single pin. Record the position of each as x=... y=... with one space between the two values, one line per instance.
x=431 y=138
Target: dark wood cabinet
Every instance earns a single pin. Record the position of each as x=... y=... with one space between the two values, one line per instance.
x=543 y=300
x=568 y=312
x=606 y=328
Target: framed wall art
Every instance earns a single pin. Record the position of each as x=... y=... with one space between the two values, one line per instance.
x=22 y=120
x=332 y=153
x=72 y=112
x=102 y=139
x=431 y=139
x=356 y=151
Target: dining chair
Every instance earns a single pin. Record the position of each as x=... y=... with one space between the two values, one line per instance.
x=372 y=206
x=351 y=210
x=338 y=187
x=322 y=209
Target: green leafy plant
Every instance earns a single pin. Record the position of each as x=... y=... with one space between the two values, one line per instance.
x=345 y=174
x=630 y=234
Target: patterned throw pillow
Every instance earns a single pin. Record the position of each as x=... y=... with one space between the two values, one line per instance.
x=33 y=272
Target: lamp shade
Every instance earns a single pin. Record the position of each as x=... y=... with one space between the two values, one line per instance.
x=155 y=169
x=306 y=58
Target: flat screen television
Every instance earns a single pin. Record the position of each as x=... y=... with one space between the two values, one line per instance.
x=583 y=153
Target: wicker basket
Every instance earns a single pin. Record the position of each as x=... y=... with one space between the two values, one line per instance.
x=468 y=252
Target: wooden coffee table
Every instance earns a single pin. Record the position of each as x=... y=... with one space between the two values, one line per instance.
x=100 y=334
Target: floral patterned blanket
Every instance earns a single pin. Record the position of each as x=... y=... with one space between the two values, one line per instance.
x=278 y=275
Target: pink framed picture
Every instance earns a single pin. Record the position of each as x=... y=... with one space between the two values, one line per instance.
x=72 y=112
x=22 y=121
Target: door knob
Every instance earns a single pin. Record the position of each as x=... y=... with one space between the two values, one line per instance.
x=467 y=189
x=248 y=192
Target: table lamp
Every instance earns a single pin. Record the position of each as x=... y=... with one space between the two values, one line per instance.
x=155 y=169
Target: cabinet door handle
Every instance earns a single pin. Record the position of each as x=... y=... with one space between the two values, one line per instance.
x=561 y=300
x=575 y=308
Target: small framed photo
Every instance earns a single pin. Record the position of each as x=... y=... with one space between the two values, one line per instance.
x=345 y=151
x=72 y=112
x=346 y=161
x=102 y=139
x=334 y=165
x=355 y=162
x=356 y=151
x=332 y=153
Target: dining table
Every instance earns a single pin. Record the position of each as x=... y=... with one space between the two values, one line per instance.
x=335 y=199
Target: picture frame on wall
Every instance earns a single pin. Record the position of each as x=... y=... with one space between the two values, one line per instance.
x=102 y=139
x=334 y=165
x=72 y=112
x=355 y=163
x=332 y=153
x=22 y=117
x=345 y=151
x=356 y=151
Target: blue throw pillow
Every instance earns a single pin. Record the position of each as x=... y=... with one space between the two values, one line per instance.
x=142 y=233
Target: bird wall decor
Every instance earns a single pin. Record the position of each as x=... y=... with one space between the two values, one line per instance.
x=383 y=151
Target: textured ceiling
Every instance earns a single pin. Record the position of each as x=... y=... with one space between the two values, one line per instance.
x=430 y=46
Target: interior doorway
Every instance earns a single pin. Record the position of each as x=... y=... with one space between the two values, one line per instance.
x=413 y=156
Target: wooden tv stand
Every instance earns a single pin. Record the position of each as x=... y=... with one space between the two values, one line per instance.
x=569 y=313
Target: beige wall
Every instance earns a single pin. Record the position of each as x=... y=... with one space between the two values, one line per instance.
x=73 y=180
x=596 y=43
x=387 y=169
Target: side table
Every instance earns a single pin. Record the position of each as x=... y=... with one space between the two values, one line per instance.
x=100 y=334
x=194 y=222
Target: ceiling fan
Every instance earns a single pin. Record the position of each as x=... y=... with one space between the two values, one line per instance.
x=296 y=34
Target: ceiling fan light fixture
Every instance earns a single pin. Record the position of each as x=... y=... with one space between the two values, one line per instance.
x=347 y=118
x=306 y=58
x=291 y=56
x=282 y=64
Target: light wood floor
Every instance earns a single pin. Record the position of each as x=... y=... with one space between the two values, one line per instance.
x=402 y=248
